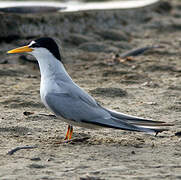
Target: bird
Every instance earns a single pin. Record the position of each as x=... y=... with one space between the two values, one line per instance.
x=70 y=103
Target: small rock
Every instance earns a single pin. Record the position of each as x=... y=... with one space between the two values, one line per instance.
x=133 y=152
x=151 y=103
x=37 y=166
x=27 y=113
x=178 y=134
x=36 y=159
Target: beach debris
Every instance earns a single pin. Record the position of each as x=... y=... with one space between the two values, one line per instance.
x=178 y=133
x=11 y=152
x=137 y=51
x=129 y=55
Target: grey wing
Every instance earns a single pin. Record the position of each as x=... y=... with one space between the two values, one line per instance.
x=82 y=109
x=74 y=107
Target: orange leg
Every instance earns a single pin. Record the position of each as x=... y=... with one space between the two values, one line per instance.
x=71 y=132
x=68 y=132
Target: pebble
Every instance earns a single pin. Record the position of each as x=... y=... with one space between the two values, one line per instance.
x=36 y=159
x=150 y=103
x=178 y=134
x=37 y=166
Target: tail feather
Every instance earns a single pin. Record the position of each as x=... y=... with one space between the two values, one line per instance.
x=137 y=120
x=149 y=123
x=144 y=125
x=120 y=124
x=139 y=128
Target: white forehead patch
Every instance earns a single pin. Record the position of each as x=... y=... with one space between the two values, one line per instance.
x=32 y=42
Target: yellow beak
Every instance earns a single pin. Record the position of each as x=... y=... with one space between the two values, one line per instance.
x=20 y=50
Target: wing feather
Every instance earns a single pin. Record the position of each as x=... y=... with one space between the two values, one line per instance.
x=74 y=107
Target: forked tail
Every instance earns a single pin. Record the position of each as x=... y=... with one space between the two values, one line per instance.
x=139 y=124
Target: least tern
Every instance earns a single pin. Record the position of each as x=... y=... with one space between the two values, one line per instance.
x=72 y=104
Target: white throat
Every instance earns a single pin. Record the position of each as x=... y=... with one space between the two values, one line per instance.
x=50 y=67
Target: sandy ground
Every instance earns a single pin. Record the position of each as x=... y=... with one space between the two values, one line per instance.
x=147 y=86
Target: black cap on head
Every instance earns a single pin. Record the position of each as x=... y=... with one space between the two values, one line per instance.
x=49 y=44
